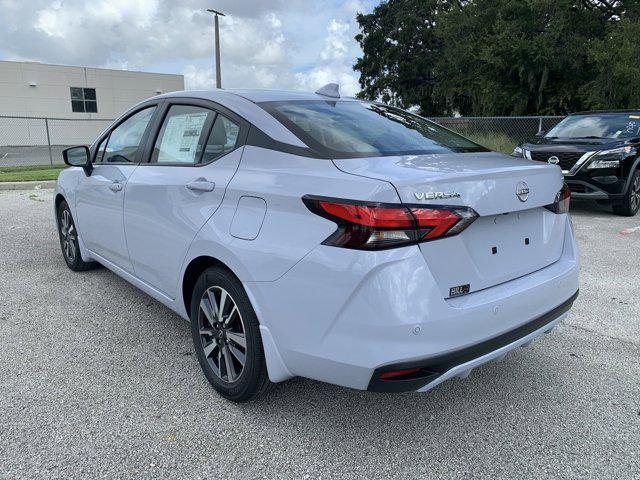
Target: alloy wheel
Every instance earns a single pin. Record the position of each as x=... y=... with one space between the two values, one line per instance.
x=68 y=233
x=635 y=194
x=222 y=334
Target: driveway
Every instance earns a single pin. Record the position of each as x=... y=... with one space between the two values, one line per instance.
x=98 y=380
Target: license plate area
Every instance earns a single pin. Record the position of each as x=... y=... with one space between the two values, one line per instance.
x=495 y=249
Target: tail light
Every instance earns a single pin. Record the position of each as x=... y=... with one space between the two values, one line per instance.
x=376 y=226
x=561 y=203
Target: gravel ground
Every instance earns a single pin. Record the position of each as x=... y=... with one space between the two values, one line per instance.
x=97 y=380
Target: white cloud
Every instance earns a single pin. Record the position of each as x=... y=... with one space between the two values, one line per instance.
x=265 y=44
x=336 y=47
x=335 y=60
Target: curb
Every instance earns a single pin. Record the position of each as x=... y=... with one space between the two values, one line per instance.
x=27 y=185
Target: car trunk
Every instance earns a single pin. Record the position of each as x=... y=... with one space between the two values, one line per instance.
x=511 y=237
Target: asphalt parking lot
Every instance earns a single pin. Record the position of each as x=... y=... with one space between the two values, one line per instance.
x=98 y=380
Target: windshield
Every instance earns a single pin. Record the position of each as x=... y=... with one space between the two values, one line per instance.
x=602 y=125
x=347 y=129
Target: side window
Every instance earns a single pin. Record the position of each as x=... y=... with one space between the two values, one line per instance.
x=101 y=148
x=124 y=141
x=182 y=135
x=222 y=140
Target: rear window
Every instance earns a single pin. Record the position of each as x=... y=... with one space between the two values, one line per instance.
x=601 y=125
x=346 y=129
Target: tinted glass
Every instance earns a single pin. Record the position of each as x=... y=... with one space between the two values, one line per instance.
x=83 y=100
x=182 y=135
x=125 y=140
x=77 y=106
x=602 y=125
x=357 y=129
x=222 y=140
x=76 y=93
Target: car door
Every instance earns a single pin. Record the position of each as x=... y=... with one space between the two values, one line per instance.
x=100 y=197
x=192 y=158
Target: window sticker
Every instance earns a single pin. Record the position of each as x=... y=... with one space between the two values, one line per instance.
x=180 y=139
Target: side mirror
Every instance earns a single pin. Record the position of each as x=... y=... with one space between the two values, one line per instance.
x=78 y=157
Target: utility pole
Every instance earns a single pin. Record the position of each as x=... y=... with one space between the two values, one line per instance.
x=218 y=75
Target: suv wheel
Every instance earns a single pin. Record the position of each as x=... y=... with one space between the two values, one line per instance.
x=69 y=241
x=226 y=336
x=631 y=201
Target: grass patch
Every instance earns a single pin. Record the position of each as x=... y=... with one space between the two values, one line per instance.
x=497 y=142
x=31 y=173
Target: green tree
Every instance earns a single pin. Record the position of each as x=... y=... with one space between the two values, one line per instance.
x=501 y=57
x=400 y=48
x=615 y=81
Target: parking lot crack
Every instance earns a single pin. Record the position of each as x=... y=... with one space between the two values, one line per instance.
x=611 y=337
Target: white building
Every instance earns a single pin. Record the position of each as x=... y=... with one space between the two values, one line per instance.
x=30 y=89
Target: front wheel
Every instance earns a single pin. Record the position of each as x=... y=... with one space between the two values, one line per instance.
x=226 y=336
x=69 y=241
x=631 y=201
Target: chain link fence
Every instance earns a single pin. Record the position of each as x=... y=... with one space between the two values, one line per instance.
x=30 y=141
x=501 y=134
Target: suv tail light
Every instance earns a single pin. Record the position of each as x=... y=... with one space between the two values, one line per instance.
x=561 y=203
x=376 y=226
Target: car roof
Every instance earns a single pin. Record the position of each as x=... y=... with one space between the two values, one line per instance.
x=600 y=112
x=259 y=95
x=256 y=95
x=244 y=102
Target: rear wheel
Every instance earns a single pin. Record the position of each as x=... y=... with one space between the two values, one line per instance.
x=226 y=336
x=69 y=240
x=631 y=201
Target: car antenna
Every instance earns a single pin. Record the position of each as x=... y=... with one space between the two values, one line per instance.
x=330 y=90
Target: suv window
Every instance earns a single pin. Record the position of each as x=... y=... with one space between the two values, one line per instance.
x=124 y=141
x=222 y=140
x=598 y=125
x=182 y=135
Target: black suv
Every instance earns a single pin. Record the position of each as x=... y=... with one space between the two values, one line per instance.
x=599 y=153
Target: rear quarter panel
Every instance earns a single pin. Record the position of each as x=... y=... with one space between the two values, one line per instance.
x=289 y=230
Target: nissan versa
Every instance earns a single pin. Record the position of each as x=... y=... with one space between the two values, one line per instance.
x=305 y=234
x=599 y=156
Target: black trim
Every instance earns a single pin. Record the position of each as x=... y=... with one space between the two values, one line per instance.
x=596 y=194
x=257 y=138
x=433 y=367
x=216 y=108
x=119 y=121
x=595 y=112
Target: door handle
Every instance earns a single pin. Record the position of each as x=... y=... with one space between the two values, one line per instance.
x=201 y=185
x=115 y=186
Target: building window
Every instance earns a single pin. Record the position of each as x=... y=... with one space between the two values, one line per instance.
x=84 y=100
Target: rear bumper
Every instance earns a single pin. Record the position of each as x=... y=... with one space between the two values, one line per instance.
x=343 y=316
x=434 y=370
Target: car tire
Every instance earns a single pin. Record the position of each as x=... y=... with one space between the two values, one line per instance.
x=69 y=241
x=228 y=343
x=631 y=201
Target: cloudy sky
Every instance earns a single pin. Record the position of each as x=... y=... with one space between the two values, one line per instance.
x=293 y=44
